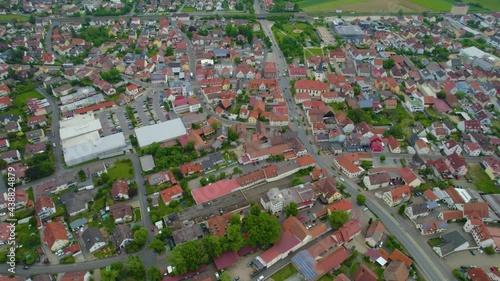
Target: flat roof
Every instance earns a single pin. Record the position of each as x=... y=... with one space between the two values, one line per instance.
x=94 y=147
x=81 y=139
x=78 y=125
x=161 y=132
x=349 y=30
x=214 y=190
x=147 y=163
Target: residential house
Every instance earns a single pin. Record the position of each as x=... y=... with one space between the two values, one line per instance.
x=44 y=207
x=432 y=227
x=394 y=145
x=121 y=212
x=456 y=164
x=452 y=146
x=375 y=181
x=119 y=190
x=171 y=193
x=451 y=242
x=421 y=147
x=374 y=234
x=81 y=275
x=76 y=202
x=93 y=239
x=396 y=271
x=397 y=195
x=480 y=233
x=122 y=236
x=11 y=156
x=55 y=235
x=326 y=189
x=409 y=177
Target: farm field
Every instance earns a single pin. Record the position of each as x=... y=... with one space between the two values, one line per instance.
x=392 y=6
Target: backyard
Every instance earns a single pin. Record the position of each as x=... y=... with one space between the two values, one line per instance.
x=284 y=273
x=121 y=170
x=480 y=179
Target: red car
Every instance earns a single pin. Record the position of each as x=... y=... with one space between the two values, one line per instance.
x=152 y=229
x=456 y=177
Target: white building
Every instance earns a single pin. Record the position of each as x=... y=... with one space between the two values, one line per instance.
x=101 y=148
x=273 y=201
x=161 y=132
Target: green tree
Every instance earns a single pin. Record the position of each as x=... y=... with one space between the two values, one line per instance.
x=401 y=210
x=361 y=199
x=389 y=63
x=141 y=236
x=460 y=95
x=188 y=257
x=441 y=95
x=32 y=19
x=154 y=274
x=396 y=131
x=237 y=60
x=235 y=238
x=338 y=218
x=157 y=246
x=382 y=158
x=489 y=250
x=262 y=228
x=226 y=276
x=235 y=219
x=203 y=181
x=212 y=246
x=135 y=268
x=170 y=51
x=292 y=209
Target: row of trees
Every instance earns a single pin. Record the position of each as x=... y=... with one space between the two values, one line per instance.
x=132 y=268
x=261 y=230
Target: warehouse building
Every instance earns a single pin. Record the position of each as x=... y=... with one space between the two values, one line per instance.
x=81 y=141
x=160 y=132
x=349 y=33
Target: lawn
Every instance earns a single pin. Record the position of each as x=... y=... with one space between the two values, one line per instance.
x=9 y=17
x=313 y=52
x=480 y=179
x=188 y=9
x=121 y=170
x=19 y=102
x=445 y=5
x=284 y=273
x=326 y=5
x=105 y=252
x=137 y=215
x=435 y=241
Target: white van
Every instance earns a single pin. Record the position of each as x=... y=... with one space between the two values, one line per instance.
x=260 y=278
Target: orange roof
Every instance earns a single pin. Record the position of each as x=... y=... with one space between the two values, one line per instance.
x=429 y=194
x=344 y=205
x=297 y=228
x=53 y=232
x=95 y=107
x=383 y=253
x=168 y=193
x=397 y=255
x=305 y=160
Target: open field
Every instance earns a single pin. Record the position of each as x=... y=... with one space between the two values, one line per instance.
x=445 y=5
x=481 y=180
x=188 y=9
x=392 y=6
x=9 y=17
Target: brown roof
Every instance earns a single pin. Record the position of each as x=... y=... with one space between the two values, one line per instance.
x=383 y=253
x=119 y=187
x=364 y=273
x=294 y=226
x=397 y=255
x=452 y=214
x=74 y=276
x=396 y=271
x=217 y=225
x=477 y=274
x=120 y=210
x=481 y=208
x=54 y=231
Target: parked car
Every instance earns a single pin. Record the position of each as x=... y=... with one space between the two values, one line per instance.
x=472 y=252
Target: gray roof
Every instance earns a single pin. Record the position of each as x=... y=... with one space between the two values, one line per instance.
x=147 y=163
x=121 y=233
x=76 y=201
x=349 y=30
x=454 y=238
x=186 y=234
x=91 y=236
x=78 y=223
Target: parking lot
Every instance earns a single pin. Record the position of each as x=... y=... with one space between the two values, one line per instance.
x=326 y=36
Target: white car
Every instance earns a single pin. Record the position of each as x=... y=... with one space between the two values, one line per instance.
x=149 y=209
x=2 y=214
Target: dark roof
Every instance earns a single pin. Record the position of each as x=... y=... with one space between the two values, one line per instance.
x=91 y=236
x=226 y=259
x=76 y=201
x=188 y=233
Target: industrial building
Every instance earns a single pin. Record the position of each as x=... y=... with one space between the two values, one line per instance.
x=160 y=132
x=350 y=33
x=81 y=141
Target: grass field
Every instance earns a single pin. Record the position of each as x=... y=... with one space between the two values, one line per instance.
x=313 y=52
x=10 y=17
x=284 y=273
x=445 y=5
x=19 y=102
x=392 y=6
x=188 y=9
x=121 y=170
x=481 y=180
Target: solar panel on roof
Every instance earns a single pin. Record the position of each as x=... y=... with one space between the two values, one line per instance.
x=305 y=263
